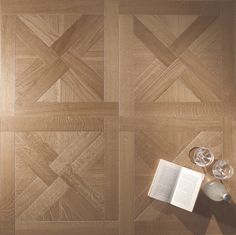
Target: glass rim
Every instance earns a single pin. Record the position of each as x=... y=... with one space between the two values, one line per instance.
x=198 y=149
x=227 y=162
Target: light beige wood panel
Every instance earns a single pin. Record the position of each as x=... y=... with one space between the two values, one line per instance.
x=127 y=101
x=111 y=93
x=54 y=6
x=93 y=94
x=7 y=148
x=73 y=228
x=169 y=7
x=81 y=109
x=51 y=123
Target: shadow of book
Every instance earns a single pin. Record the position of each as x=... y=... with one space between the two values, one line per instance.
x=209 y=217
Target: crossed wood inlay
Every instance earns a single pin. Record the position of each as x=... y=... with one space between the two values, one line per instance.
x=53 y=177
x=59 y=179
x=61 y=57
x=177 y=58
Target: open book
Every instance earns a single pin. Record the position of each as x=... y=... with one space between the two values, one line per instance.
x=176 y=185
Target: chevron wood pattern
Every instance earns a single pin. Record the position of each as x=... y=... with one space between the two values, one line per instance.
x=93 y=93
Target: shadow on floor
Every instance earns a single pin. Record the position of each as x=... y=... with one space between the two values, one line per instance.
x=199 y=221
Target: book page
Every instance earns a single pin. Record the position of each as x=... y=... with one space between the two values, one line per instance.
x=164 y=181
x=187 y=189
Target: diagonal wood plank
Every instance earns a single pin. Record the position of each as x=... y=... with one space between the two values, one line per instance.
x=35 y=142
x=81 y=205
x=150 y=149
x=69 y=155
x=40 y=27
x=24 y=176
x=27 y=79
x=199 y=88
x=81 y=48
x=29 y=195
x=191 y=34
x=92 y=197
x=147 y=152
x=54 y=192
x=154 y=70
x=34 y=160
x=153 y=211
x=80 y=88
x=155 y=87
x=80 y=32
x=41 y=49
x=153 y=43
x=195 y=66
x=93 y=153
x=87 y=76
x=49 y=75
x=142 y=201
x=155 y=25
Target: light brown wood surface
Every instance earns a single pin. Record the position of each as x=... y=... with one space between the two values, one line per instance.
x=93 y=93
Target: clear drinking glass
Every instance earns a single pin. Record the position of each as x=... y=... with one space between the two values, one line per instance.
x=202 y=156
x=222 y=170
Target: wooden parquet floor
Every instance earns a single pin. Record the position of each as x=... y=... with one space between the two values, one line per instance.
x=93 y=93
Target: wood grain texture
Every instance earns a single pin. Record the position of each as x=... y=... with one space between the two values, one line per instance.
x=73 y=228
x=111 y=56
x=169 y=7
x=40 y=48
x=7 y=183
x=189 y=35
x=54 y=6
x=87 y=75
x=93 y=93
x=47 y=78
x=111 y=94
x=8 y=30
x=79 y=33
x=126 y=159
x=153 y=44
x=51 y=123
x=82 y=109
x=7 y=140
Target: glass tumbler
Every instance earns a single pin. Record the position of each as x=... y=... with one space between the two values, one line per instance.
x=222 y=170
x=202 y=156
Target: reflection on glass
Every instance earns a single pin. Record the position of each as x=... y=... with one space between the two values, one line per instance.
x=202 y=156
x=222 y=169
